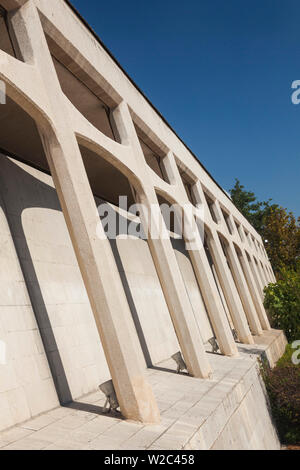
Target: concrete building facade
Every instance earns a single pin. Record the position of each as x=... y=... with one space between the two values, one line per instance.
x=77 y=307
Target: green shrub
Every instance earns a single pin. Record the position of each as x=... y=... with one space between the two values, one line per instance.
x=287 y=359
x=283 y=386
x=282 y=301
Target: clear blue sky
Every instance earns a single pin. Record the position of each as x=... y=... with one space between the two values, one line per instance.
x=220 y=71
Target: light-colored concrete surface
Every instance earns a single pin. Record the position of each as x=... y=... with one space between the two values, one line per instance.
x=93 y=253
x=45 y=312
x=270 y=346
x=192 y=287
x=229 y=411
x=76 y=309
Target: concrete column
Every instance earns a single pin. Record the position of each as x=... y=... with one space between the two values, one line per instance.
x=254 y=292
x=262 y=273
x=274 y=280
x=232 y=297
x=273 y=277
x=94 y=255
x=209 y=289
x=252 y=266
x=163 y=255
x=256 y=276
x=267 y=270
x=267 y=274
x=202 y=269
x=243 y=290
x=213 y=302
x=221 y=293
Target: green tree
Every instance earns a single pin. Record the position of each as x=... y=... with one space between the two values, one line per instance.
x=279 y=229
x=281 y=232
x=282 y=301
x=247 y=203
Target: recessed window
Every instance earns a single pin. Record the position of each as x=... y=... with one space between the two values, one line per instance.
x=239 y=229
x=227 y=220
x=153 y=159
x=5 y=40
x=254 y=243
x=211 y=207
x=87 y=103
x=247 y=237
x=188 y=185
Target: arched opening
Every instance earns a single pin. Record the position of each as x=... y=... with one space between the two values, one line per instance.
x=53 y=337
x=115 y=197
x=174 y=226
x=25 y=171
x=214 y=268
x=5 y=39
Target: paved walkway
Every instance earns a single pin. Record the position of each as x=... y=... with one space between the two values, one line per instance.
x=185 y=403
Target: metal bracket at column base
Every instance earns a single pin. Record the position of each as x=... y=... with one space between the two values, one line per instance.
x=181 y=365
x=235 y=335
x=111 y=398
x=214 y=344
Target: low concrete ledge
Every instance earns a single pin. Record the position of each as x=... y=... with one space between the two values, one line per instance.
x=230 y=411
x=270 y=346
x=232 y=414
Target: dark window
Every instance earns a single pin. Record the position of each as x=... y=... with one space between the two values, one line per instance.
x=227 y=220
x=5 y=40
x=238 y=227
x=211 y=206
x=153 y=160
x=87 y=103
x=188 y=185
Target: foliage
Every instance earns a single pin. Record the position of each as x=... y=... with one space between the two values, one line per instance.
x=282 y=301
x=282 y=231
x=283 y=386
x=279 y=229
x=247 y=203
x=286 y=359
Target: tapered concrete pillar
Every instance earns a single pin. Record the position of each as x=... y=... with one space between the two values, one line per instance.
x=163 y=255
x=274 y=280
x=221 y=293
x=209 y=289
x=213 y=302
x=269 y=274
x=262 y=274
x=101 y=278
x=232 y=297
x=202 y=269
x=256 y=276
x=254 y=292
x=266 y=274
x=243 y=290
x=94 y=255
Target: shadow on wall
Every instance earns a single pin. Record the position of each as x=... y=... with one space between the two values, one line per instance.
x=125 y=226
x=34 y=291
x=13 y=176
x=133 y=310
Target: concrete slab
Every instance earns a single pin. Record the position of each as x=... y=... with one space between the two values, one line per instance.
x=228 y=411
